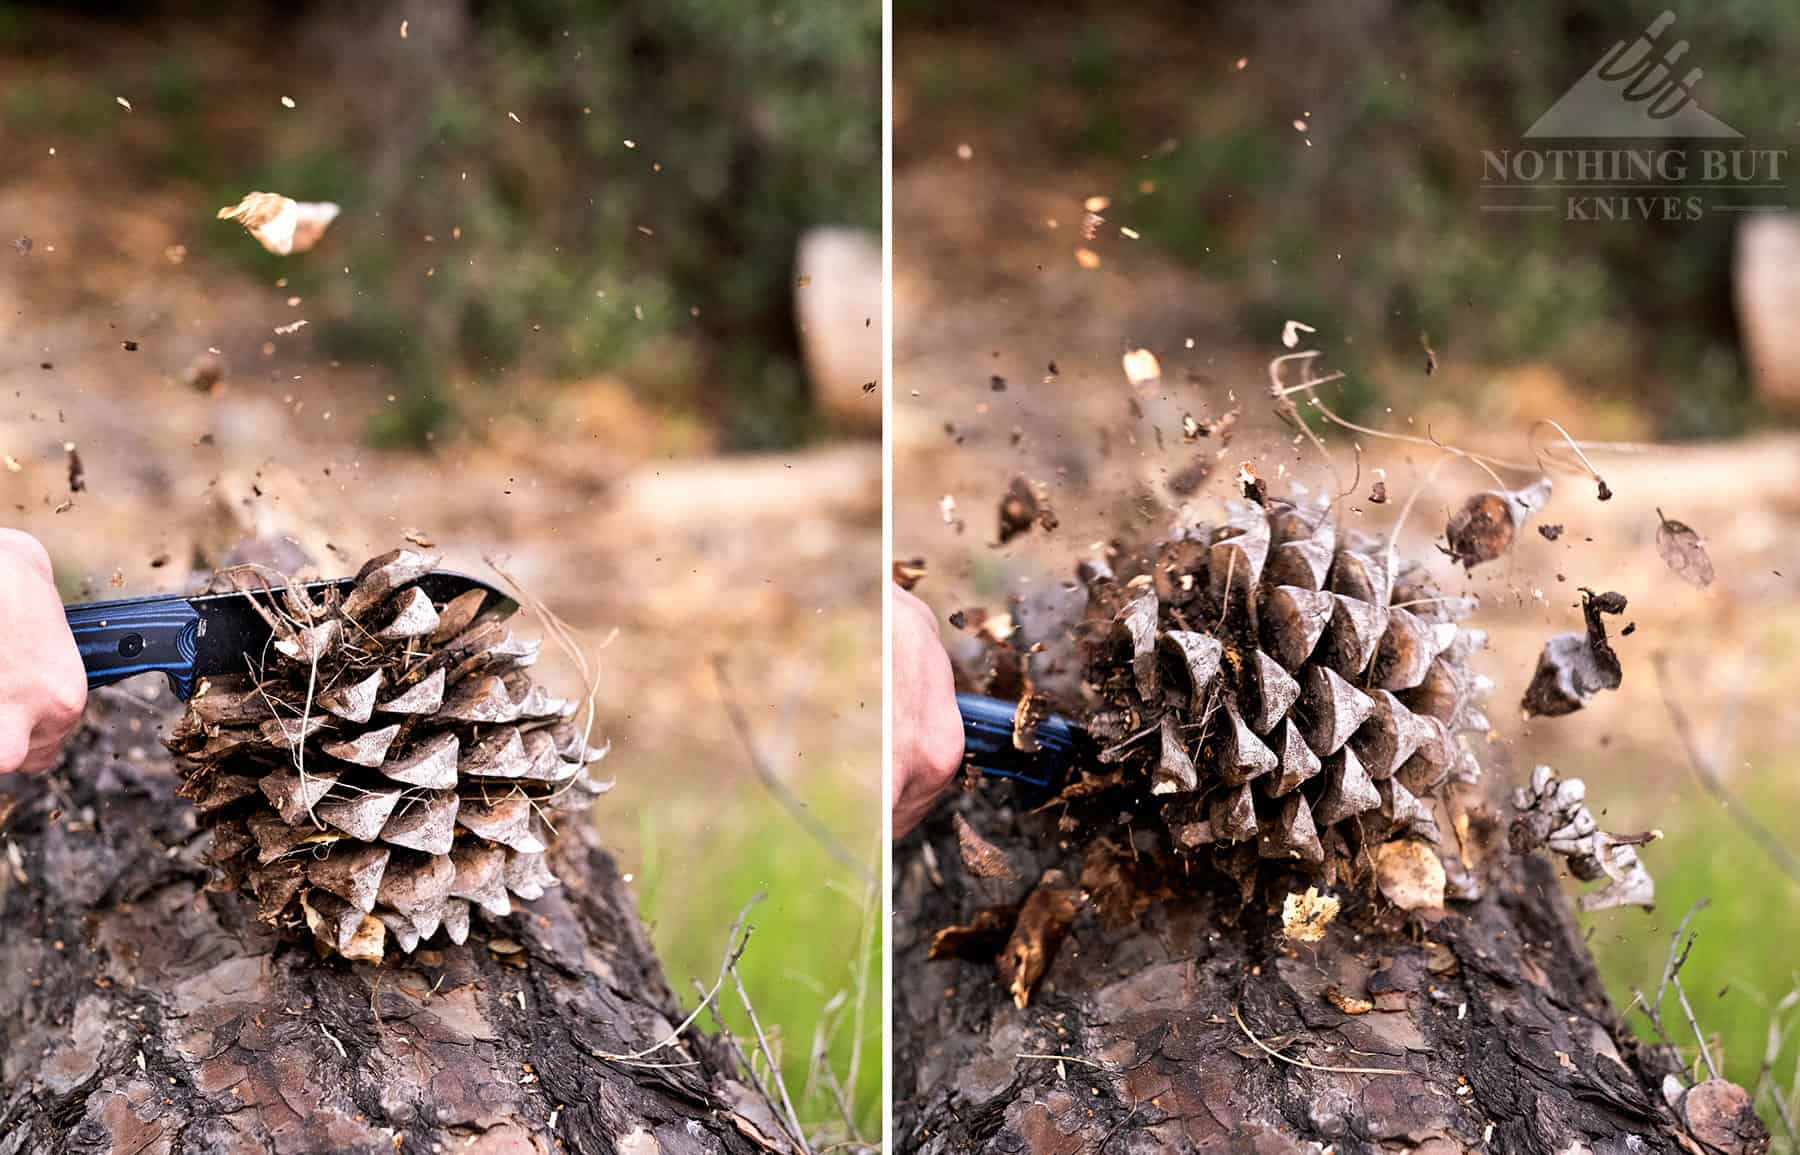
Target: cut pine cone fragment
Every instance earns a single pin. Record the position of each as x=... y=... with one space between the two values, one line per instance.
x=391 y=766
x=1292 y=693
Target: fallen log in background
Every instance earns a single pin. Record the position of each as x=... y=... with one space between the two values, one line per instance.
x=146 y=1014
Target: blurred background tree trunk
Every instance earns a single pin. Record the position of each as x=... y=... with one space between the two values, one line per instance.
x=146 y=1014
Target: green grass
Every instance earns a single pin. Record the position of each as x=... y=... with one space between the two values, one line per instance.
x=801 y=967
x=1747 y=955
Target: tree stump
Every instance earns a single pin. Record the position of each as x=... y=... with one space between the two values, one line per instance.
x=1159 y=1032
x=147 y=1014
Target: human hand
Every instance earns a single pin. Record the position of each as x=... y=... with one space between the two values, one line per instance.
x=928 y=734
x=43 y=686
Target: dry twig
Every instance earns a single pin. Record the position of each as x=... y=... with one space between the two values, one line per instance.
x=1274 y=1054
x=765 y=773
x=1707 y=771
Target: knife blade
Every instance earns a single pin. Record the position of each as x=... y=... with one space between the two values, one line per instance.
x=189 y=638
x=988 y=744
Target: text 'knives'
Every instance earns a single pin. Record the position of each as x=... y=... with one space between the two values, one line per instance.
x=988 y=744
x=189 y=638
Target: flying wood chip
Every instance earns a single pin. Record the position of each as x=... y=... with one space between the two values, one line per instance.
x=1020 y=509
x=1683 y=551
x=979 y=856
x=281 y=224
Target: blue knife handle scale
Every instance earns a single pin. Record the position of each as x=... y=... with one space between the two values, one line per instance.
x=988 y=743
x=119 y=640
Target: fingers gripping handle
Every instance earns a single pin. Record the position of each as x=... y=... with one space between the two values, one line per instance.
x=119 y=640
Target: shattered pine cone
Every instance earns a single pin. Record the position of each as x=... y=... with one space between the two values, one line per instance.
x=1552 y=813
x=389 y=769
x=1286 y=692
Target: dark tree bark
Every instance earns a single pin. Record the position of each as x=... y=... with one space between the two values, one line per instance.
x=145 y=1014
x=1495 y=1016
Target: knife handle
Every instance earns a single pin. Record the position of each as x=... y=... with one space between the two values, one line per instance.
x=988 y=743
x=121 y=639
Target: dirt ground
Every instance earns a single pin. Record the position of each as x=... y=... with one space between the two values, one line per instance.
x=988 y=289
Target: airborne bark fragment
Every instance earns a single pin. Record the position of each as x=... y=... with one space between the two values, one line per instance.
x=1043 y=920
x=1575 y=667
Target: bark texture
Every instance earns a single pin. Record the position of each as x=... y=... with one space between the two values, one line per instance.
x=1495 y=1016
x=146 y=1014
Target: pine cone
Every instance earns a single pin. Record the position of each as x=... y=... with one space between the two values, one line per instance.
x=1288 y=691
x=389 y=766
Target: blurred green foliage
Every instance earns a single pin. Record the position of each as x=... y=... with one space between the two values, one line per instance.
x=1744 y=959
x=639 y=216
x=1373 y=232
x=754 y=848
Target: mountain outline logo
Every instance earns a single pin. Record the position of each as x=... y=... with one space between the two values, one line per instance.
x=1633 y=91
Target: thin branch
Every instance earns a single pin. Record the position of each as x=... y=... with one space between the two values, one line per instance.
x=734 y=950
x=1677 y=958
x=1708 y=773
x=1765 y=1076
x=737 y=1051
x=808 y=821
x=1705 y=1051
x=768 y=1053
x=1677 y=954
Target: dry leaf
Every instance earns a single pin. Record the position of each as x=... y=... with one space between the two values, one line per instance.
x=1043 y=921
x=1304 y=917
x=1410 y=875
x=281 y=224
x=1683 y=551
